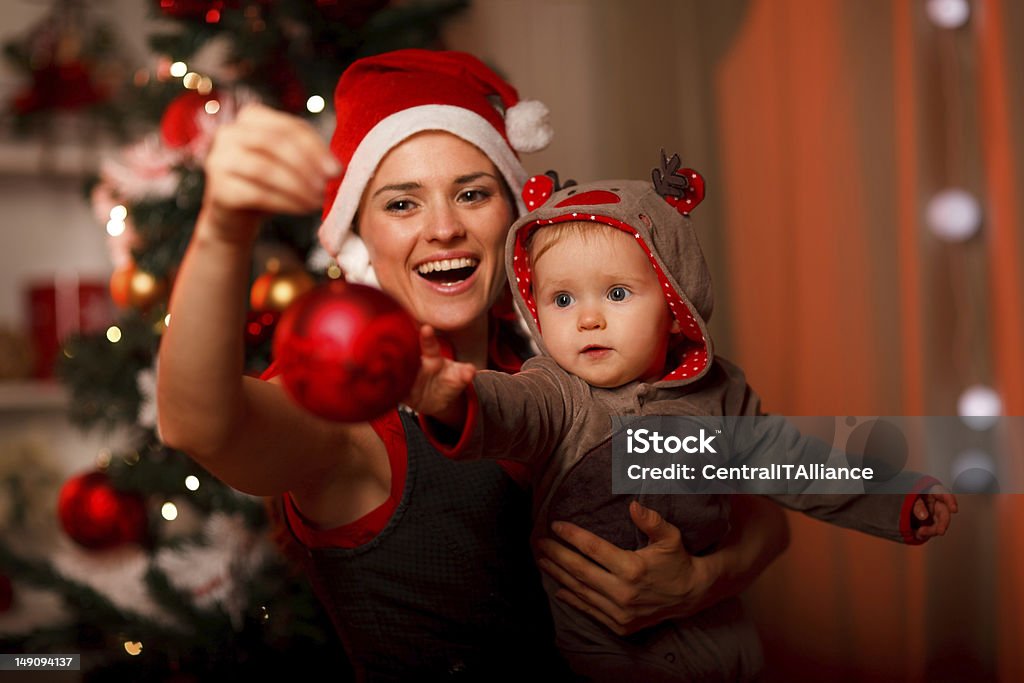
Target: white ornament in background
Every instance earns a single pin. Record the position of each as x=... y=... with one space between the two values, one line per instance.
x=143 y=170
x=948 y=13
x=319 y=260
x=212 y=60
x=216 y=573
x=118 y=574
x=954 y=215
x=145 y=380
x=979 y=407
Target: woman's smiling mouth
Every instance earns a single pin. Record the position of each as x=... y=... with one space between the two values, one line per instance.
x=448 y=271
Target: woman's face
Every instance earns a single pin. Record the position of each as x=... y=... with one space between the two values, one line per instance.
x=434 y=219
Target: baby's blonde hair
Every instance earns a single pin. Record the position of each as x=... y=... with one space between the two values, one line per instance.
x=541 y=239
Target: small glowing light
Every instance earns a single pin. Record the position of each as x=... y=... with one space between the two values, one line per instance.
x=130 y=458
x=315 y=104
x=132 y=647
x=167 y=320
x=954 y=215
x=179 y=69
x=948 y=13
x=205 y=86
x=68 y=353
x=971 y=460
x=979 y=407
x=115 y=228
x=192 y=482
x=113 y=334
x=103 y=458
x=974 y=471
x=140 y=78
x=213 y=16
x=212 y=107
x=334 y=271
x=191 y=80
x=118 y=213
x=169 y=511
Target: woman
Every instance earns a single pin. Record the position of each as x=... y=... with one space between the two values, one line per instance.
x=423 y=564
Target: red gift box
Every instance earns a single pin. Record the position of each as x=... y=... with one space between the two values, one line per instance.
x=64 y=306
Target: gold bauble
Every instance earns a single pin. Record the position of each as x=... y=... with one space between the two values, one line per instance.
x=278 y=287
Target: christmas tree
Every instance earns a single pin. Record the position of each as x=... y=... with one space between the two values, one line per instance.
x=140 y=597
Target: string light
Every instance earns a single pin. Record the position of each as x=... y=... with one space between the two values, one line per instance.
x=954 y=215
x=113 y=334
x=315 y=104
x=192 y=482
x=179 y=69
x=115 y=228
x=167 y=320
x=191 y=80
x=979 y=407
x=212 y=107
x=133 y=647
x=119 y=213
x=169 y=511
x=948 y=13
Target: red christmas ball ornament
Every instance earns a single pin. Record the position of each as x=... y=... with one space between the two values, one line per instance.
x=97 y=516
x=6 y=594
x=179 y=124
x=347 y=352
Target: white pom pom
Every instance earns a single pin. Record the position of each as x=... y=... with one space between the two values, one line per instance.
x=527 y=126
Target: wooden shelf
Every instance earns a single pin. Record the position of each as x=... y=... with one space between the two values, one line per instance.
x=30 y=395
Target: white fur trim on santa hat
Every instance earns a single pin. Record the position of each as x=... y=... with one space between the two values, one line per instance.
x=336 y=234
x=527 y=126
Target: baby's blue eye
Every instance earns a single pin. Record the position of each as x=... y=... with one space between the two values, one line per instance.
x=563 y=300
x=618 y=293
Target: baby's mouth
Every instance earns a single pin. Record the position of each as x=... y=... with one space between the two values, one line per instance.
x=448 y=271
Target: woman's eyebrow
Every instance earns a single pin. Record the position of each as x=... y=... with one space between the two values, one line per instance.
x=398 y=187
x=470 y=177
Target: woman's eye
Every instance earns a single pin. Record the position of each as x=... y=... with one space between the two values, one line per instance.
x=398 y=205
x=618 y=294
x=474 y=195
x=563 y=300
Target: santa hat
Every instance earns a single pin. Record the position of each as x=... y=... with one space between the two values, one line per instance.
x=382 y=100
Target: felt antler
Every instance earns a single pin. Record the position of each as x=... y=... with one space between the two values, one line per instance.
x=539 y=188
x=683 y=188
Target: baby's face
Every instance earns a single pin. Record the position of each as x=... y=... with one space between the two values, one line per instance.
x=601 y=310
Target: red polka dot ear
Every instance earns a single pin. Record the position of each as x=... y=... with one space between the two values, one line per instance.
x=683 y=188
x=537 y=190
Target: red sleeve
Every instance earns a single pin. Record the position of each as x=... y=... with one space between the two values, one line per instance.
x=906 y=521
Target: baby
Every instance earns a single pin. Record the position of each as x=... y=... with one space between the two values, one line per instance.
x=612 y=282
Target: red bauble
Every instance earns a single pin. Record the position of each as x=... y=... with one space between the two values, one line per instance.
x=347 y=352
x=180 y=125
x=97 y=516
x=6 y=594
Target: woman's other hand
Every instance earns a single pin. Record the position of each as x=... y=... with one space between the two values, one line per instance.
x=630 y=590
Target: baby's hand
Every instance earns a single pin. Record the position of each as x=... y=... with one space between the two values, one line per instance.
x=933 y=511
x=440 y=387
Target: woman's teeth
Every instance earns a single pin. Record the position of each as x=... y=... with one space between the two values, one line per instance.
x=448 y=271
x=446 y=265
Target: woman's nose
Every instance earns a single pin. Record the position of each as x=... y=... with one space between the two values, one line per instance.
x=444 y=224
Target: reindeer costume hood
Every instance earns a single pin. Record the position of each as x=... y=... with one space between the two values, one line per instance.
x=657 y=215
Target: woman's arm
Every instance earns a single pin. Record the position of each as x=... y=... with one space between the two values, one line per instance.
x=245 y=431
x=630 y=590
